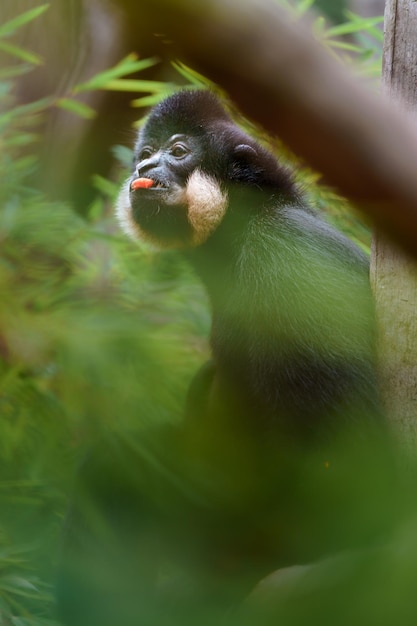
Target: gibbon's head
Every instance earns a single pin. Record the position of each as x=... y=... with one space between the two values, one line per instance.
x=187 y=154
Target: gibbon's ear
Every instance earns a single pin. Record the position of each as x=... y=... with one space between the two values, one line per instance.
x=245 y=153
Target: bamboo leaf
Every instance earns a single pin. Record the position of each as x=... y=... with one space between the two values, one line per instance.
x=304 y=6
x=365 y=55
x=26 y=109
x=106 y=187
x=26 y=163
x=319 y=27
x=343 y=45
x=193 y=77
x=76 y=107
x=20 y=53
x=375 y=33
x=5 y=88
x=23 y=139
x=124 y=155
x=353 y=27
x=147 y=101
x=152 y=86
x=28 y=16
x=129 y=65
x=13 y=72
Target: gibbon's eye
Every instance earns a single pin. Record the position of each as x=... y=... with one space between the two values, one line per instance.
x=145 y=153
x=178 y=150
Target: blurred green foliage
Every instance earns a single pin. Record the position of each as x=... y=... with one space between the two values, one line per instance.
x=333 y=9
x=89 y=325
x=99 y=339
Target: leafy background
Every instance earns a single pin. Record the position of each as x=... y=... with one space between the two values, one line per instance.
x=101 y=337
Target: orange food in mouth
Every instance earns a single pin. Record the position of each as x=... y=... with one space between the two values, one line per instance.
x=142 y=183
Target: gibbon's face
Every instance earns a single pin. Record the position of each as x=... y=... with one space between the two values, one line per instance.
x=169 y=201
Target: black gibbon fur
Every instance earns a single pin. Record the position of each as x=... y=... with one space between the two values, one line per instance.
x=268 y=419
x=292 y=331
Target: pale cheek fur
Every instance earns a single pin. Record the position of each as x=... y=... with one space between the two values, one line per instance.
x=207 y=204
x=124 y=213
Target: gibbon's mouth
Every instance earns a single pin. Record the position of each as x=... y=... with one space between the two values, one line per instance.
x=146 y=183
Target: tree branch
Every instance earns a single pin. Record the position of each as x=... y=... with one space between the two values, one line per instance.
x=280 y=76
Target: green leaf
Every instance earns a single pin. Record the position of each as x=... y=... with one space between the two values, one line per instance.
x=14 y=24
x=343 y=45
x=26 y=163
x=193 y=77
x=19 y=582
x=319 y=27
x=373 y=33
x=376 y=33
x=22 y=139
x=106 y=187
x=76 y=107
x=123 y=154
x=13 y=72
x=5 y=88
x=365 y=55
x=152 y=86
x=370 y=69
x=128 y=65
x=26 y=109
x=304 y=6
x=147 y=101
x=353 y=26
x=20 y=53
x=96 y=210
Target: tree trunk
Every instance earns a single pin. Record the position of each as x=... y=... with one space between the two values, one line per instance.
x=393 y=272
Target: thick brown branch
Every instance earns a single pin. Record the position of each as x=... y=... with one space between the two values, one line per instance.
x=277 y=74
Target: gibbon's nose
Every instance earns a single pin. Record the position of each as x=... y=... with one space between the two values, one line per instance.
x=146 y=165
